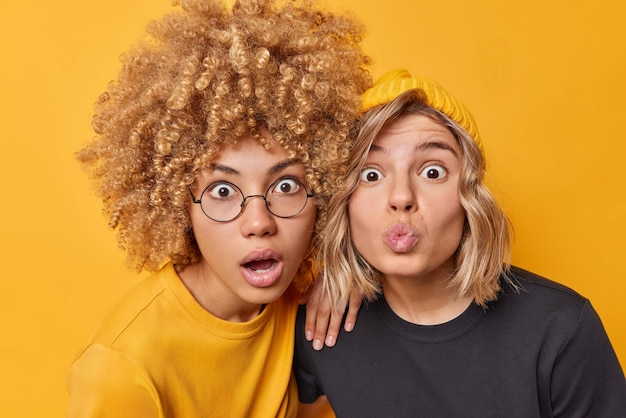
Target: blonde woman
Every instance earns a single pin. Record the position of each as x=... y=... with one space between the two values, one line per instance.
x=450 y=329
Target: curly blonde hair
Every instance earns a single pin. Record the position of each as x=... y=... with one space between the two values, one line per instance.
x=483 y=255
x=207 y=75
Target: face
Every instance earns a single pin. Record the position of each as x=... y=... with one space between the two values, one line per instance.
x=406 y=219
x=252 y=259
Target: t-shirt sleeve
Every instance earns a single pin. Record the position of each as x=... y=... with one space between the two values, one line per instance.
x=103 y=382
x=308 y=388
x=587 y=379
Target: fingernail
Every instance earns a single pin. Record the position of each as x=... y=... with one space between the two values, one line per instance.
x=349 y=326
x=330 y=341
x=317 y=344
x=309 y=335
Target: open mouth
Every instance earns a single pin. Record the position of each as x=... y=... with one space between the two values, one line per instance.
x=260 y=266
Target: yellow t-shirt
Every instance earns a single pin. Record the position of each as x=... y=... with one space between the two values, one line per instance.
x=160 y=354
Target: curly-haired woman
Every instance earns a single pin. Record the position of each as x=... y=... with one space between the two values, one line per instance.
x=217 y=150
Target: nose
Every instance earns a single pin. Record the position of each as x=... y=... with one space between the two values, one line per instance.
x=256 y=219
x=402 y=197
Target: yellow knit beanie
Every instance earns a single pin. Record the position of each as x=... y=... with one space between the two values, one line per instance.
x=395 y=82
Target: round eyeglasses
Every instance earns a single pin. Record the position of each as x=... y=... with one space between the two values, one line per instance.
x=223 y=201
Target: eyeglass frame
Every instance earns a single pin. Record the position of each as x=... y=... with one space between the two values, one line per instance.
x=245 y=198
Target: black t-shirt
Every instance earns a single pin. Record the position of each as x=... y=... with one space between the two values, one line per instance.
x=541 y=352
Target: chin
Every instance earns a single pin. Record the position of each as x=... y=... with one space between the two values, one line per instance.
x=261 y=296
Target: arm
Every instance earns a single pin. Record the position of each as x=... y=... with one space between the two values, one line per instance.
x=105 y=383
x=322 y=323
x=587 y=379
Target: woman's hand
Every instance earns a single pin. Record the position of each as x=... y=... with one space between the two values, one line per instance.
x=322 y=323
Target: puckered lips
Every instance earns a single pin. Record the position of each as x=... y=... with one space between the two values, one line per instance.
x=401 y=238
x=262 y=268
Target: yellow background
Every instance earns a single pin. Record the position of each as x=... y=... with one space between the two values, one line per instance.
x=544 y=79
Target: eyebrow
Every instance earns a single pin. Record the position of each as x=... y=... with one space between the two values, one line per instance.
x=276 y=168
x=421 y=147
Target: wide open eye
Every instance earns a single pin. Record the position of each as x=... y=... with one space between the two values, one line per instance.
x=433 y=172
x=286 y=197
x=287 y=186
x=222 y=191
x=370 y=175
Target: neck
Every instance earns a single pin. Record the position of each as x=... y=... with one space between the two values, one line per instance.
x=214 y=298
x=424 y=300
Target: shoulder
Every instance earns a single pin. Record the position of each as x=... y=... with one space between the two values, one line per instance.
x=539 y=305
x=525 y=277
x=575 y=351
x=528 y=287
x=137 y=304
x=104 y=381
x=547 y=310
